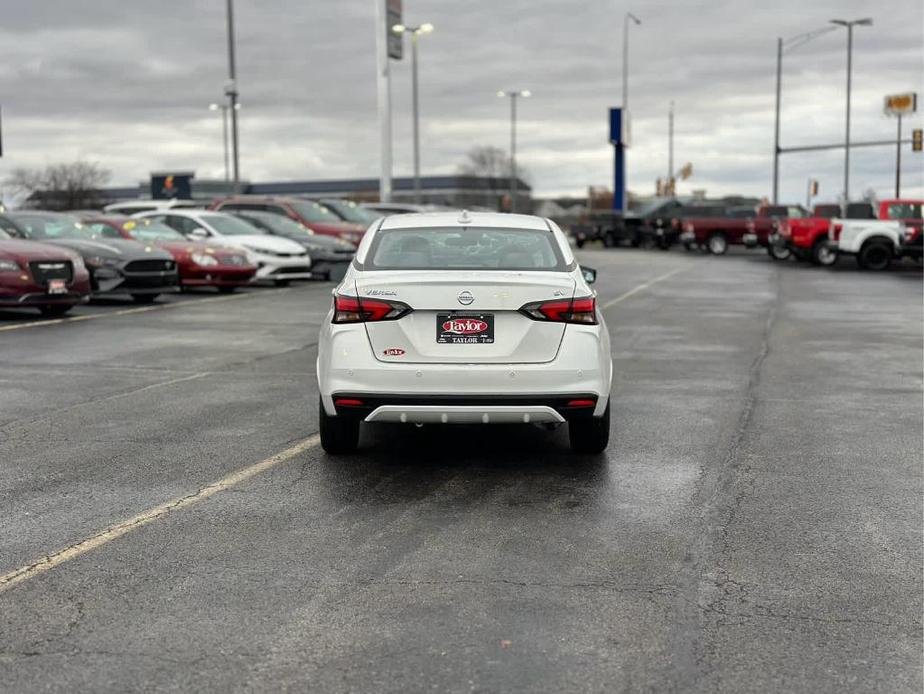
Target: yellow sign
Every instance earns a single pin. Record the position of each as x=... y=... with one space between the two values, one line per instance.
x=901 y=104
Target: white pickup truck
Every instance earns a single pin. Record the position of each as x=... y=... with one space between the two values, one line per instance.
x=873 y=242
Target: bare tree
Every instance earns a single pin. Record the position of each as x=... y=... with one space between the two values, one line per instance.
x=66 y=186
x=494 y=164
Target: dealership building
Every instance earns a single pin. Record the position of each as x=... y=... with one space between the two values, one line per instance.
x=451 y=190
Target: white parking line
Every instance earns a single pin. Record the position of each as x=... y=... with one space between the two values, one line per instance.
x=140 y=309
x=641 y=287
x=50 y=561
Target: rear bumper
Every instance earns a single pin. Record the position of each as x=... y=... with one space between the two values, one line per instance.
x=464 y=409
x=582 y=369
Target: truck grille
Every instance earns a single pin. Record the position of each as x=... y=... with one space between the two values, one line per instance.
x=45 y=271
x=150 y=266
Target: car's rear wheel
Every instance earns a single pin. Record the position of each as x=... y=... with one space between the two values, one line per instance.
x=590 y=435
x=227 y=290
x=717 y=244
x=281 y=283
x=338 y=434
x=144 y=298
x=875 y=255
x=54 y=310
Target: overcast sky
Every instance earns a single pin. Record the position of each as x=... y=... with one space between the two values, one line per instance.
x=127 y=83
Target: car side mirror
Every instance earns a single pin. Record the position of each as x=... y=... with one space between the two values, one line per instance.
x=198 y=233
x=590 y=275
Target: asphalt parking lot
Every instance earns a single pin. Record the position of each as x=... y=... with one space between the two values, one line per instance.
x=169 y=521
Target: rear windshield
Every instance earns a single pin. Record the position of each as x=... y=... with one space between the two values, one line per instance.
x=904 y=210
x=464 y=249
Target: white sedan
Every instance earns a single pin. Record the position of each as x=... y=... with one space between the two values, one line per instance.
x=459 y=318
x=278 y=260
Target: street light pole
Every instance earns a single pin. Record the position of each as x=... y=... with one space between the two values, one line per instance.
x=625 y=97
x=850 y=25
x=670 y=148
x=231 y=92
x=415 y=33
x=224 y=139
x=525 y=93
x=788 y=44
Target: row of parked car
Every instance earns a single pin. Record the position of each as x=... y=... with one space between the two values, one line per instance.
x=52 y=261
x=875 y=234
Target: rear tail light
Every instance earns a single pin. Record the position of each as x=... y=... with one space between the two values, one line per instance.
x=580 y=310
x=834 y=231
x=675 y=223
x=750 y=226
x=582 y=402
x=688 y=227
x=354 y=309
x=348 y=402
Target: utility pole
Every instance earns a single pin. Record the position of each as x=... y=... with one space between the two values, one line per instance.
x=850 y=25
x=670 y=148
x=776 y=122
x=232 y=94
x=625 y=104
x=513 y=95
x=898 y=159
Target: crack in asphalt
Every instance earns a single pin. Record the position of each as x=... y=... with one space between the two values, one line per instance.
x=715 y=517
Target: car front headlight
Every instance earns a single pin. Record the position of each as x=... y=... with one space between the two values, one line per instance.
x=203 y=259
x=9 y=266
x=98 y=261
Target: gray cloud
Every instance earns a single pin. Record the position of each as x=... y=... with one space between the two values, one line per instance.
x=128 y=84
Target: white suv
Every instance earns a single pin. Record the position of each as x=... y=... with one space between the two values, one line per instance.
x=450 y=318
x=278 y=260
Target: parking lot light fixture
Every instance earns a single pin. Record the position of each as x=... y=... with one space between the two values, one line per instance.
x=513 y=95
x=849 y=24
x=415 y=32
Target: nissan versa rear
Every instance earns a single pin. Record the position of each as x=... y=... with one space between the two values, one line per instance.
x=458 y=318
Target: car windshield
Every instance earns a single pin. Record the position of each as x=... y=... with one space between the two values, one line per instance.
x=702 y=211
x=464 y=249
x=649 y=207
x=314 y=212
x=904 y=210
x=827 y=211
x=151 y=230
x=352 y=212
x=40 y=226
x=226 y=225
x=276 y=223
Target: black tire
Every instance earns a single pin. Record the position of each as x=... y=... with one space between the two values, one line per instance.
x=778 y=252
x=338 y=434
x=144 y=298
x=717 y=243
x=55 y=310
x=281 y=283
x=580 y=243
x=590 y=435
x=823 y=254
x=687 y=246
x=875 y=256
x=227 y=290
x=609 y=240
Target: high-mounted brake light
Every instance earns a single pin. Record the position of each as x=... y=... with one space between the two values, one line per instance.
x=580 y=310
x=354 y=309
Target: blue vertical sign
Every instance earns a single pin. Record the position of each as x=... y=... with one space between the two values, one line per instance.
x=619 y=159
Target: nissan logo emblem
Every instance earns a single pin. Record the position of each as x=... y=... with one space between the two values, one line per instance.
x=465 y=297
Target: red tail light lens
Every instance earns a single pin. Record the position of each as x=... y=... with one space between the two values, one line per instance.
x=834 y=232
x=580 y=310
x=354 y=309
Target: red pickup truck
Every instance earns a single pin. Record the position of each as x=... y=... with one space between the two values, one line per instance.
x=909 y=213
x=716 y=234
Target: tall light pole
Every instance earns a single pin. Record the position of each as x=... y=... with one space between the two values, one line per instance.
x=525 y=93
x=866 y=21
x=224 y=138
x=670 y=148
x=625 y=99
x=231 y=93
x=781 y=46
x=415 y=33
